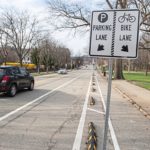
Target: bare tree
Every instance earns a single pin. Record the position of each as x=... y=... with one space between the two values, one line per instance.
x=20 y=29
x=68 y=16
x=144 y=7
x=35 y=58
x=145 y=46
x=36 y=50
x=63 y=56
x=145 y=40
x=3 y=46
x=12 y=56
x=47 y=52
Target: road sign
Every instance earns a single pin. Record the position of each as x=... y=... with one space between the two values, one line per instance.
x=114 y=33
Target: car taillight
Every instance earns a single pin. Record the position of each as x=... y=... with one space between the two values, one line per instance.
x=5 y=79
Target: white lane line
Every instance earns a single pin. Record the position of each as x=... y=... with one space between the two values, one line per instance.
x=78 y=138
x=37 y=99
x=100 y=112
x=2 y=99
x=112 y=132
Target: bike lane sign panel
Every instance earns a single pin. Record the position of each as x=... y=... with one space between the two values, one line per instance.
x=114 y=33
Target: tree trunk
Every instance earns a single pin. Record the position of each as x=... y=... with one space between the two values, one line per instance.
x=38 y=68
x=47 y=69
x=20 y=61
x=146 y=71
x=5 y=61
x=129 y=65
x=118 y=62
x=118 y=71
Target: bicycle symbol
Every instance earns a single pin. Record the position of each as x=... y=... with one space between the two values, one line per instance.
x=126 y=17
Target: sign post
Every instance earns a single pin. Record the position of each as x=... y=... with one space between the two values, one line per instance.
x=114 y=34
x=107 y=106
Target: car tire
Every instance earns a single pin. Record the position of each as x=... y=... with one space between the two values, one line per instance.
x=12 y=91
x=31 y=87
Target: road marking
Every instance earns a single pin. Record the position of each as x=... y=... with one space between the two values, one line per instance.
x=112 y=132
x=37 y=99
x=100 y=112
x=78 y=138
x=2 y=99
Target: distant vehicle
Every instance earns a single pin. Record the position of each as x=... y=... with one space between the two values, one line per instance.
x=13 y=79
x=62 y=71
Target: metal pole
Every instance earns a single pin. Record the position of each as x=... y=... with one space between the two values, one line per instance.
x=107 y=105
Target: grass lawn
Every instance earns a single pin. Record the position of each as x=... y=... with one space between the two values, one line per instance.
x=138 y=78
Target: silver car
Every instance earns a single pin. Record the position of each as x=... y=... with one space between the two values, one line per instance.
x=62 y=71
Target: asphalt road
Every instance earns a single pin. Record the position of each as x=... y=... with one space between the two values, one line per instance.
x=56 y=114
x=47 y=117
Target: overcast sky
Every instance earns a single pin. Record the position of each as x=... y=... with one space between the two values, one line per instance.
x=77 y=44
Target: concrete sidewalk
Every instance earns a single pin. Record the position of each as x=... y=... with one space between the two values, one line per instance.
x=131 y=124
x=138 y=96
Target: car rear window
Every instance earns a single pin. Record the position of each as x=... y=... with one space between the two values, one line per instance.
x=2 y=71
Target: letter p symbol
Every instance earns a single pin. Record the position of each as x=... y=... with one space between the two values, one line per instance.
x=102 y=17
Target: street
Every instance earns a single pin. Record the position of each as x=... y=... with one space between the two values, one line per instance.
x=56 y=114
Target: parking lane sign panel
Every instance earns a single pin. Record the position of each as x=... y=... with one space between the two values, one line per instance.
x=101 y=33
x=114 y=33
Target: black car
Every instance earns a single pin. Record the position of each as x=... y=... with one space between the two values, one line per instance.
x=13 y=79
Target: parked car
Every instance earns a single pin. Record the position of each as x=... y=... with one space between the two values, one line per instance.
x=62 y=71
x=13 y=79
